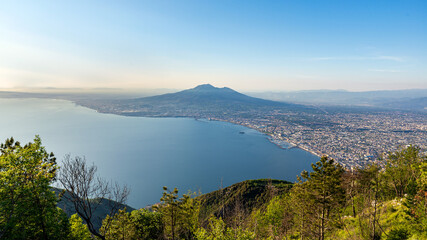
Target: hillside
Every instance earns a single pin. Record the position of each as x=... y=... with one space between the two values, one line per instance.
x=240 y=199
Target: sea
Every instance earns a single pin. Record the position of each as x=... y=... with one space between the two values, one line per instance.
x=149 y=153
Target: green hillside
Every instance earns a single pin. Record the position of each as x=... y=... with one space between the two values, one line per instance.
x=240 y=198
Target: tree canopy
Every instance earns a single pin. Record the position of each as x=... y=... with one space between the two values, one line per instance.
x=27 y=203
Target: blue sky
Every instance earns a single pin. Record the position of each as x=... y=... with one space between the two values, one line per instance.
x=245 y=45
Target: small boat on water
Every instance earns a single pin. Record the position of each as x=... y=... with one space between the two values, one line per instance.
x=242 y=132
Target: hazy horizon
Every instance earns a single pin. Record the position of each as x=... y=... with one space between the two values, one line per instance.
x=161 y=90
x=245 y=45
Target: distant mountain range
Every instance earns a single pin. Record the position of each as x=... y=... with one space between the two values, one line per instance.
x=200 y=101
x=417 y=104
x=412 y=99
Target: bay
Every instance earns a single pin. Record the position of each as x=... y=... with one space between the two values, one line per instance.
x=149 y=153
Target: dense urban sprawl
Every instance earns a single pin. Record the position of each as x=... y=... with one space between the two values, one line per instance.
x=353 y=139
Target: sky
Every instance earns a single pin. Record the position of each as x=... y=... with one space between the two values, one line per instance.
x=246 y=45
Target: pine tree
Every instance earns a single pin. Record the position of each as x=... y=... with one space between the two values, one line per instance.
x=320 y=196
x=180 y=215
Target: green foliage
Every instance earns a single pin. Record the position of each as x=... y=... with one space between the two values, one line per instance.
x=180 y=215
x=417 y=203
x=379 y=214
x=148 y=225
x=398 y=234
x=119 y=226
x=422 y=178
x=369 y=200
x=27 y=203
x=320 y=198
x=139 y=224
x=275 y=220
x=79 y=231
x=273 y=216
x=401 y=171
x=218 y=231
x=391 y=217
x=240 y=199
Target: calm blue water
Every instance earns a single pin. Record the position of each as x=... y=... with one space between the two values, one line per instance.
x=149 y=153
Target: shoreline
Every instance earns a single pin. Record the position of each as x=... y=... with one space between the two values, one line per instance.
x=269 y=137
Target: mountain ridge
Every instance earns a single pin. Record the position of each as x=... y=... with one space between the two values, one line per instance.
x=203 y=101
x=207 y=92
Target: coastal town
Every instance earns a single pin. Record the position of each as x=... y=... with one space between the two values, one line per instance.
x=352 y=139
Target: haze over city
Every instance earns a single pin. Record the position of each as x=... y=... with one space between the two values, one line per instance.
x=248 y=46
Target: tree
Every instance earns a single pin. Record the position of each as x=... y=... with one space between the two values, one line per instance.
x=148 y=224
x=302 y=208
x=401 y=172
x=119 y=226
x=418 y=204
x=180 y=215
x=416 y=199
x=276 y=220
x=79 y=231
x=169 y=209
x=217 y=230
x=87 y=192
x=27 y=203
x=351 y=189
x=139 y=224
x=369 y=197
x=322 y=196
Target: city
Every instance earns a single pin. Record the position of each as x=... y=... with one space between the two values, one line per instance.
x=350 y=138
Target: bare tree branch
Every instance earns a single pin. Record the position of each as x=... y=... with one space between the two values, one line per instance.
x=87 y=191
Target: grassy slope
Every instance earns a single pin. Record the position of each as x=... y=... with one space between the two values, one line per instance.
x=392 y=215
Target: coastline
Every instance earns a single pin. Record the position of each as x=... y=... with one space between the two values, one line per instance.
x=280 y=143
x=271 y=138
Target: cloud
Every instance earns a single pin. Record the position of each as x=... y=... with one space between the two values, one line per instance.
x=349 y=58
x=385 y=70
x=304 y=76
x=391 y=58
x=358 y=58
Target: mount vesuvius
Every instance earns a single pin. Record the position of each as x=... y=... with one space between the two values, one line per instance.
x=202 y=101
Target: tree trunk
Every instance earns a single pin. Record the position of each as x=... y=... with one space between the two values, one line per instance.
x=322 y=229
x=173 y=224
